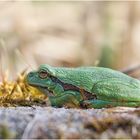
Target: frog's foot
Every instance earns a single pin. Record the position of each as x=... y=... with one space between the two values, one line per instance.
x=106 y=104
x=97 y=104
x=86 y=104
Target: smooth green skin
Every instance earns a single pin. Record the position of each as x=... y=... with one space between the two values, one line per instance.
x=112 y=88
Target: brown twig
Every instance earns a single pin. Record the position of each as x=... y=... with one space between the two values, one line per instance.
x=131 y=69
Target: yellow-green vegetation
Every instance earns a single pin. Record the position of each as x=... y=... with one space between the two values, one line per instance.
x=18 y=93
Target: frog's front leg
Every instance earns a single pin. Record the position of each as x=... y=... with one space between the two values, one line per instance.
x=68 y=99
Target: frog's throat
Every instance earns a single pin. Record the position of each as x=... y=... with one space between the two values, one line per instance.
x=46 y=91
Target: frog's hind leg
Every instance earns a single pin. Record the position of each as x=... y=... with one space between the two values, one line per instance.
x=116 y=92
x=106 y=104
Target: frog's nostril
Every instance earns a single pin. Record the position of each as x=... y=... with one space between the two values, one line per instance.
x=31 y=74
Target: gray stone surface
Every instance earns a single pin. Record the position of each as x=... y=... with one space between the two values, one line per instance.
x=49 y=122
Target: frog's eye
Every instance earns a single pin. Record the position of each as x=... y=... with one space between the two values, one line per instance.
x=43 y=74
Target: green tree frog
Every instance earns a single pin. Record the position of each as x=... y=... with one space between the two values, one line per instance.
x=85 y=87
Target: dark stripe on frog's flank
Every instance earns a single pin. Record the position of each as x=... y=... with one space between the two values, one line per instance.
x=86 y=95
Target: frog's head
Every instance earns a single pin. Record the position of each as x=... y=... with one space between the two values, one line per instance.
x=41 y=79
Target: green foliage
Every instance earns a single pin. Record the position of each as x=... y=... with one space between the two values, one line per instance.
x=107 y=57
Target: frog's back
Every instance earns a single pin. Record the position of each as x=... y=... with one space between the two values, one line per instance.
x=86 y=77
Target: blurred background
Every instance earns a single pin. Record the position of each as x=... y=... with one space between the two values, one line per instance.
x=68 y=34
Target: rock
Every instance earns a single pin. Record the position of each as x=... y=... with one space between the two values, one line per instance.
x=54 y=123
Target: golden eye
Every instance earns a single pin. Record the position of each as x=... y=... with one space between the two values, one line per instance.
x=43 y=74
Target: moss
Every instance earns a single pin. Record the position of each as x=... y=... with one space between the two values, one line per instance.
x=5 y=132
x=18 y=93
